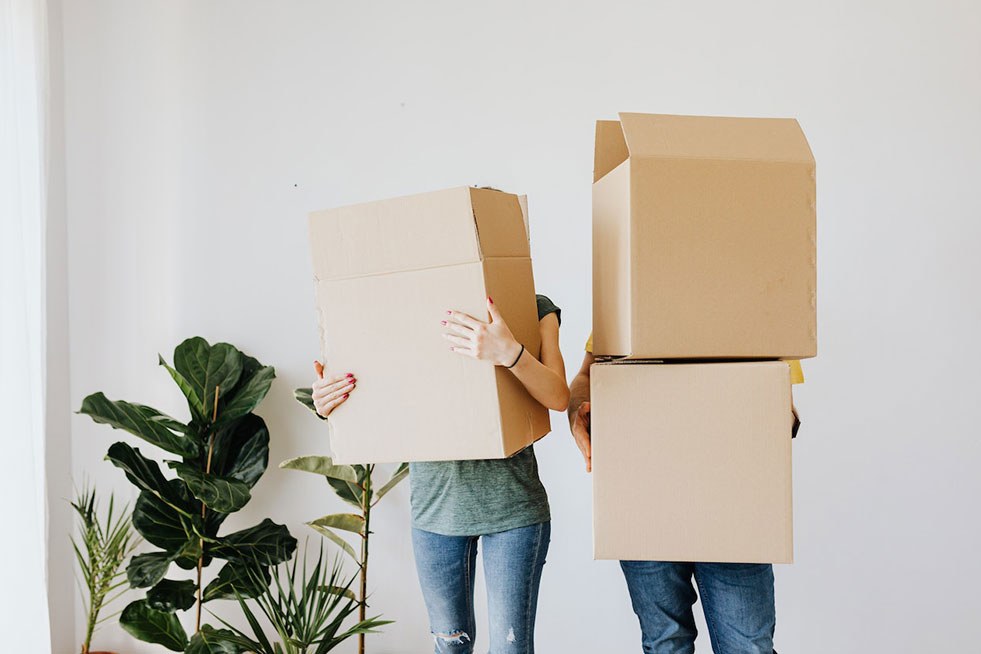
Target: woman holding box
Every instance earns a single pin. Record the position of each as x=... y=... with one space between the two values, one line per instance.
x=500 y=502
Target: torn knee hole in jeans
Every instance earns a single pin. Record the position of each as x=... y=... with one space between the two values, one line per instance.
x=454 y=637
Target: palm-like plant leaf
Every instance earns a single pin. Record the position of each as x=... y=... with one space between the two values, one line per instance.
x=306 y=609
x=101 y=547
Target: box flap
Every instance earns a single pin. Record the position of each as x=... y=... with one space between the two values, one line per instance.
x=523 y=203
x=610 y=150
x=708 y=137
x=407 y=233
x=500 y=223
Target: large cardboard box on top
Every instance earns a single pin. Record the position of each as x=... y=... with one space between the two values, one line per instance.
x=386 y=273
x=703 y=238
x=692 y=462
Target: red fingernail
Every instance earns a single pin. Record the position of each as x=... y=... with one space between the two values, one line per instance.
x=442 y=322
x=350 y=375
x=448 y=312
x=346 y=395
x=490 y=299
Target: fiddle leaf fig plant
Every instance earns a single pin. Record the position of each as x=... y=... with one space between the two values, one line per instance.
x=217 y=457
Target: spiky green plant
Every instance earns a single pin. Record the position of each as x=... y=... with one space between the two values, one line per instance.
x=101 y=545
x=306 y=610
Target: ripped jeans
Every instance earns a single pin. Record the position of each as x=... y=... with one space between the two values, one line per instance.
x=513 y=563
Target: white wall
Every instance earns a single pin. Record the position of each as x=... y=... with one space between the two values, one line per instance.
x=200 y=134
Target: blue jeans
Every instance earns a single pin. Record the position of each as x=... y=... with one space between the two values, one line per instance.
x=737 y=599
x=513 y=563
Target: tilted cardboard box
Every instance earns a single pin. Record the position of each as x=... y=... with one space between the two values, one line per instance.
x=692 y=462
x=703 y=238
x=386 y=273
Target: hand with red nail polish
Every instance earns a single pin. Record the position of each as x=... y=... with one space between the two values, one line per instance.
x=487 y=341
x=330 y=392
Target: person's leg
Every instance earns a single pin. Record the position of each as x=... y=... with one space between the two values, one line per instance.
x=739 y=606
x=445 y=566
x=513 y=562
x=662 y=596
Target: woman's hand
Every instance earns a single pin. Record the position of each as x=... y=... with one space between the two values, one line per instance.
x=331 y=392
x=487 y=341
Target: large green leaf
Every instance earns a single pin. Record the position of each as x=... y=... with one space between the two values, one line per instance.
x=170 y=596
x=145 y=570
x=241 y=450
x=321 y=465
x=336 y=538
x=143 y=421
x=159 y=523
x=194 y=402
x=400 y=473
x=267 y=543
x=152 y=626
x=216 y=641
x=247 y=395
x=305 y=397
x=345 y=521
x=245 y=579
x=206 y=367
x=220 y=493
x=144 y=473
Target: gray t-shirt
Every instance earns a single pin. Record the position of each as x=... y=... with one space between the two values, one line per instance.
x=471 y=498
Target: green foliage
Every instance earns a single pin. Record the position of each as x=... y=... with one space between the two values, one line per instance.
x=101 y=546
x=222 y=452
x=353 y=484
x=306 y=610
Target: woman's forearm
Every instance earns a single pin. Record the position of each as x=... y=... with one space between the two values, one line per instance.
x=543 y=383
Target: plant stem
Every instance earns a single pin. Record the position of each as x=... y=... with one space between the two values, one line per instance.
x=204 y=509
x=366 y=514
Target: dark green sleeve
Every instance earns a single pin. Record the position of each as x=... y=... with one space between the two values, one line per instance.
x=546 y=306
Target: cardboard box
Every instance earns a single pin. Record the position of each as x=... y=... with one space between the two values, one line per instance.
x=691 y=462
x=703 y=238
x=386 y=273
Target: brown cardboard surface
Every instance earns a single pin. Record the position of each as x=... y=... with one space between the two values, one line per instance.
x=692 y=462
x=386 y=272
x=703 y=239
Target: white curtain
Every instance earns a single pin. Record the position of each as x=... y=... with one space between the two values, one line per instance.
x=23 y=129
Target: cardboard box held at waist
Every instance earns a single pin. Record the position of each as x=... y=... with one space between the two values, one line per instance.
x=691 y=461
x=386 y=273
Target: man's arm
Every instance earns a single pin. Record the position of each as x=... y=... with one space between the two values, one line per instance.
x=579 y=410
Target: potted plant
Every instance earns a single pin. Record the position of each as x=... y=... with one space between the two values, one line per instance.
x=101 y=546
x=306 y=612
x=354 y=484
x=217 y=456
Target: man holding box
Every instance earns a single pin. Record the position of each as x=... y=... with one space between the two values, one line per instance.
x=737 y=598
